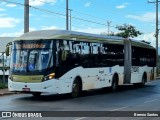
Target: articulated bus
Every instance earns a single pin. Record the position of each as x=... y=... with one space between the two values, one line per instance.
x=59 y=62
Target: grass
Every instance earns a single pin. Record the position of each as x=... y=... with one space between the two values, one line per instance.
x=2 y=85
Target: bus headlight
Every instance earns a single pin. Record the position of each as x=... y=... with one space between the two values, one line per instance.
x=49 y=77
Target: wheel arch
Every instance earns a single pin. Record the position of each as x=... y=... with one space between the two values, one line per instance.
x=76 y=87
x=80 y=81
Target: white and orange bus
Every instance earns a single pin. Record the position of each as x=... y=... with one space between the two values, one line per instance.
x=59 y=61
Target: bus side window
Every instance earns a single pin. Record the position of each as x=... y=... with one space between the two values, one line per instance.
x=64 y=55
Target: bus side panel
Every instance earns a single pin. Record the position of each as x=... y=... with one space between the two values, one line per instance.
x=151 y=75
x=137 y=73
x=92 y=78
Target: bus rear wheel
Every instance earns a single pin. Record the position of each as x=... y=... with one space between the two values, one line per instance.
x=114 y=85
x=76 y=88
x=142 y=83
x=144 y=78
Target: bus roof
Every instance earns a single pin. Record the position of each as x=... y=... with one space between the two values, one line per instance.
x=79 y=36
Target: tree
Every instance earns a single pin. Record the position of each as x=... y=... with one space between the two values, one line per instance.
x=128 y=31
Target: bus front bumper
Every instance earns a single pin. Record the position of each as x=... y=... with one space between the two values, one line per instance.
x=50 y=86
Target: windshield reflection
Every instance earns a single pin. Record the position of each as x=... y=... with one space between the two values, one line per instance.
x=31 y=60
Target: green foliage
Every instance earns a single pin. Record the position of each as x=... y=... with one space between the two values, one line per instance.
x=128 y=31
x=2 y=85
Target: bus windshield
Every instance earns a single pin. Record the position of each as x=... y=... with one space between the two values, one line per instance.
x=32 y=56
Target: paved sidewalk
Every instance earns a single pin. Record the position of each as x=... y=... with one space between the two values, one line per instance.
x=5 y=92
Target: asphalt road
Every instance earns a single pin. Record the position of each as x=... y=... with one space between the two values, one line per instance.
x=102 y=103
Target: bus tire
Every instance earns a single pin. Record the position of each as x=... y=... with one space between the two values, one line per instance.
x=144 y=79
x=142 y=83
x=114 y=85
x=76 y=88
x=36 y=94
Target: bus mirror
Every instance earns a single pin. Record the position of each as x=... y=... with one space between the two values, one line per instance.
x=7 y=51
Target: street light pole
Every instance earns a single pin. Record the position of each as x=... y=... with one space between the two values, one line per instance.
x=157 y=33
x=66 y=14
x=26 y=16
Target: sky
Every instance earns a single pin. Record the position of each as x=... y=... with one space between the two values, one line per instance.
x=89 y=16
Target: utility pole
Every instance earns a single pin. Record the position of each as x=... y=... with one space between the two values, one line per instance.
x=70 y=14
x=156 y=32
x=26 y=16
x=67 y=15
x=108 y=24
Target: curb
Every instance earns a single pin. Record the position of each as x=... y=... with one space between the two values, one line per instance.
x=9 y=93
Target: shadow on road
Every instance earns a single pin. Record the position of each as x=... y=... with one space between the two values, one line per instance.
x=149 y=89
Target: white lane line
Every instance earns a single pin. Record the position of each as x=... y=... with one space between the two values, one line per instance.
x=119 y=108
x=81 y=118
x=150 y=101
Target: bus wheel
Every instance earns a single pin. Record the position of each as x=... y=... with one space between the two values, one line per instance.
x=76 y=88
x=36 y=94
x=114 y=86
x=144 y=78
x=142 y=83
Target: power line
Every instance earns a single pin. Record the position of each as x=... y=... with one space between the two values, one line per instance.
x=95 y=17
x=61 y=14
x=76 y=11
x=12 y=2
x=57 y=13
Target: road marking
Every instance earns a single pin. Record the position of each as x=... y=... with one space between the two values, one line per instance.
x=150 y=101
x=119 y=108
x=81 y=118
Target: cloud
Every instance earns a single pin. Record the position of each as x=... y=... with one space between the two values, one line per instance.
x=3 y=15
x=8 y=22
x=147 y=17
x=49 y=27
x=30 y=15
x=2 y=3
x=121 y=6
x=16 y=34
x=87 y=5
x=91 y=30
x=11 y=5
x=124 y=5
x=1 y=9
x=41 y=2
x=32 y=29
x=149 y=37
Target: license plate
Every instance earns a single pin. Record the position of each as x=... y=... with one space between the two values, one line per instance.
x=26 y=89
